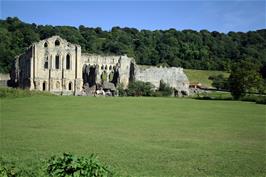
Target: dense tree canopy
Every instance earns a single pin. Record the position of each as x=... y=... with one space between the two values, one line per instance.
x=245 y=78
x=187 y=48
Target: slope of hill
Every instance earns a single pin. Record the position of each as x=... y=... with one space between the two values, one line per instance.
x=201 y=76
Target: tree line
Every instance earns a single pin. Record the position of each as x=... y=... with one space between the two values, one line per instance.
x=187 y=48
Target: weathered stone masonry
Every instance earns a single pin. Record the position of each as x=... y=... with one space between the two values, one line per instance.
x=57 y=66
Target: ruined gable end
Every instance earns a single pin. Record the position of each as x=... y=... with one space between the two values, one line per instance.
x=58 y=66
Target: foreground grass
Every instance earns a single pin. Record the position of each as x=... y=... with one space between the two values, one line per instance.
x=202 y=76
x=139 y=136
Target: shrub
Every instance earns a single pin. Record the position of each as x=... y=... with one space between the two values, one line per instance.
x=70 y=165
x=255 y=98
x=261 y=100
x=139 y=88
x=157 y=94
x=4 y=172
x=121 y=91
x=219 y=82
x=8 y=170
x=165 y=89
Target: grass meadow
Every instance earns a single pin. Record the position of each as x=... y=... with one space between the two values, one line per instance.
x=202 y=76
x=138 y=136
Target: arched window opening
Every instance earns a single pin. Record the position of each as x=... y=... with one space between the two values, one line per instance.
x=57 y=43
x=70 y=86
x=57 y=85
x=68 y=61
x=44 y=86
x=111 y=76
x=102 y=67
x=46 y=63
x=104 y=76
x=45 y=44
x=106 y=67
x=57 y=62
x=110 y=67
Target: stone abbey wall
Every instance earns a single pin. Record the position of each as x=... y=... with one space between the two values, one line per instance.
x=173 y=76
x=109 y=66
x=57 y=66
x=51 y=65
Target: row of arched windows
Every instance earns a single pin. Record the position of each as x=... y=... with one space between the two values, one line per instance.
x=45 y=87
x=57 y=62
x=106 y=67
x=56 y=43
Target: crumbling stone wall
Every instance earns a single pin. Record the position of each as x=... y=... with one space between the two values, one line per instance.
x=51 y=65
x=58 y=66
x=109 y=66
x=173 y=76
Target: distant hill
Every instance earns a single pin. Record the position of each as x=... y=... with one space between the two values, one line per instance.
x=189 y=49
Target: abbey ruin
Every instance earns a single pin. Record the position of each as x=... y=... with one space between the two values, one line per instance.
x=57 y=66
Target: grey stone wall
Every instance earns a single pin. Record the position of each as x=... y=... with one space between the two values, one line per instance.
x=23 y=70
x=109 y=65
x=173 y=76
x=37 y=69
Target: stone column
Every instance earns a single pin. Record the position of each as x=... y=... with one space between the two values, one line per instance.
x=32 y=67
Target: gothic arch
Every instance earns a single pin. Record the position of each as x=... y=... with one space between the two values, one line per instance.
x=44 y=86
x=45 y=44
x=111 y=76
x=57 y=84
x=57 y=42
x=46 y=62
x=104 y=76
x=68 y=61
x=57 y=61
x=70 y=85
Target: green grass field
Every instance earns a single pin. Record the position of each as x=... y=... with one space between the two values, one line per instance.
x=139 y=136
x=202 y=76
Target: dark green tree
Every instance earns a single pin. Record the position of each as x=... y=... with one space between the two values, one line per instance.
x=244 y=78
x=188 y=48
x=219 y=82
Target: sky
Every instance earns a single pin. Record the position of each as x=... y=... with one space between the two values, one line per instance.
x=213 y=15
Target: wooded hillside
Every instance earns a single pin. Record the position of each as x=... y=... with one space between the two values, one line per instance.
x=189 y=49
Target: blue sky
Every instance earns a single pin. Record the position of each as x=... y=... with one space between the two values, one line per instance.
x=216 y=15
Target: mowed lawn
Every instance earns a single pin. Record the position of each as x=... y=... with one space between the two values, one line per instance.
x=139 y=136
